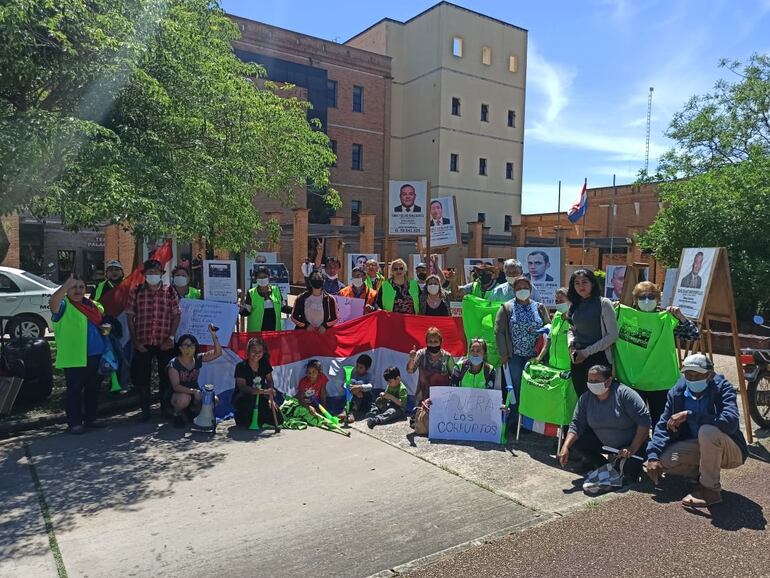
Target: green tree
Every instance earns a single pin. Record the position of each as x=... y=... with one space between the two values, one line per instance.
x=138 y=112
x=716 y=181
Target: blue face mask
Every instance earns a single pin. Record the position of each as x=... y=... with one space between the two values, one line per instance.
x=476 y=359
x=697 y=386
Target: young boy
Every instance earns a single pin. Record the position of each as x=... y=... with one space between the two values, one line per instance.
x=361 y=385
x=391 y=404
x=312 y=388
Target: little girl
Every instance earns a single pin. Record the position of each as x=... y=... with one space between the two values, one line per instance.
x=312 y=388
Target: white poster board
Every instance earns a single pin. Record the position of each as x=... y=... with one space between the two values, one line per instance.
x=443 y=222
x=348 y=308
x=407 y=205
x=219 y=281
x=695 y=269
x=198 y=313
x=469 y=264
x=464 y=414
x=415 y=260
x=616 y=276
x=669 y=284
x=542 y=266
x=354 y=260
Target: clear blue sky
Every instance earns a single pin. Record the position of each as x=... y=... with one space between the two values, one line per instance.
x=591 y=64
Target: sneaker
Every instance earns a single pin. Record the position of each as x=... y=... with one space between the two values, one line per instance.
x=76 y=430
x=371 y=422
x=702 y=497
x=179 y=421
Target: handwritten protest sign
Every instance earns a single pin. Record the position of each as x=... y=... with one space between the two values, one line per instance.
x=348 y=308
x=197 y=314
x=466 y=414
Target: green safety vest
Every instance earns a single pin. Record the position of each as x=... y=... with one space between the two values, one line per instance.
x=477 y=291
x=100 y=289
x=368 y=281
x=475 y=380
x=645 y=352
x=558 y=351
x=192 y=293
x=389 y=295
x=254 y=321
x=71 y=332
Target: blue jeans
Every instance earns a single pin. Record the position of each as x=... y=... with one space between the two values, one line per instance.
x=516 y=367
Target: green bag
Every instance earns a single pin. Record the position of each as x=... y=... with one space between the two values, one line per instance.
x=479 y=321
x=547 y=395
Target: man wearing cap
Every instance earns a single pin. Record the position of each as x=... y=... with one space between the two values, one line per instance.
x=113 y=273
x=486 y=277
x=698 y=434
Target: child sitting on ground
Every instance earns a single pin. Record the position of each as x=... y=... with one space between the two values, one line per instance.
x=311 y=390
x=391 y=404
x=361 y=386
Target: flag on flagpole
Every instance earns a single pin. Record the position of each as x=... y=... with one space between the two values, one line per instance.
x=578 y=210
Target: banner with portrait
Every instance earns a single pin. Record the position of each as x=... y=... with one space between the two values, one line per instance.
x=443 y=222
x=695 y=269
x=542 y=266
x=406 y=207
x=615 y=280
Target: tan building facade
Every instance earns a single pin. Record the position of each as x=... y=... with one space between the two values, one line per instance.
x=457 y=113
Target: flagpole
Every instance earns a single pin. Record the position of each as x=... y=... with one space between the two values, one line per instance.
x=612 y=220
x=558 y=215
x=585 y=186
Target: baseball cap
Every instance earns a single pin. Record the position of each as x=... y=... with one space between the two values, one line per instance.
x=421 y=266
x=698 y=363
x=114 y=263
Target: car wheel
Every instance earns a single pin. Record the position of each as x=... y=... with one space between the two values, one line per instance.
x=27 y=326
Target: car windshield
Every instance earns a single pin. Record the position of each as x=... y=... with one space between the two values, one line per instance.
x=39 y=280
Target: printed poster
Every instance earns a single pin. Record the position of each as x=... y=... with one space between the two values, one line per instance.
x=407 y=205
x=542 y=266
x=615 y=280
x=358 y=260
x=219 y=281
x=695 y=269
x=443 y=222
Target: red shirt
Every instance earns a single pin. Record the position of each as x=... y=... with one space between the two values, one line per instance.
x=153 y=311
x=316 y=388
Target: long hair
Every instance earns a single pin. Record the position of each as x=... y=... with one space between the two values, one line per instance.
x=573 y=296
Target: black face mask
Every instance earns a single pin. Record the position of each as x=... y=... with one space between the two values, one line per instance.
x=433 y=348
x=422 y=276
x=486 y=278
x=316 y=283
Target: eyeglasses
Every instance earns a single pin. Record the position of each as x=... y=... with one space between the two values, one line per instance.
x=397 y=268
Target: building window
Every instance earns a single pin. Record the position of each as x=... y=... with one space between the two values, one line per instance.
x=355 y=212
x=483 y=167
x=484 y=113
x=512 y=118
x=333 y=146
x=455 y=106
x=357 y=163
x=457 y=47
x=508 y=223
x=509 y=171
x=486 y=55
x=512 y=63
x=481 y=218
x=454 y=159
x=331 y=93
x=358 y=99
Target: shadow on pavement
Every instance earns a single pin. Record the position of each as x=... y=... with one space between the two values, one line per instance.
x=736 y=512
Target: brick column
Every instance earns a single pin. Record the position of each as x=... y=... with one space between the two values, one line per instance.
x=10 y=224
x=119 y=244
x=476 y=232
x=366 y=237
x=299 y=244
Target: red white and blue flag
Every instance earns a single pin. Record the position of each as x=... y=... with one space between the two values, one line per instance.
x=578 y=210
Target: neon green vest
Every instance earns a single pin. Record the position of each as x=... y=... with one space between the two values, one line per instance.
x=558 y=351
x=389 y=295
x=475 y=380
x=71 y=332
x=645 y=352
x=192 y=293
x=369 y=283
x=254 y=322
x=477 y=291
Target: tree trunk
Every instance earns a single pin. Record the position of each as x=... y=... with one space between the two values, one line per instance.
x=5 y=243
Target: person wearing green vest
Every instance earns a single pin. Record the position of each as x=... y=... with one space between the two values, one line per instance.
x=113 y=272
x=373 y=278
x=484 y=284
x=556 y=346
x=399 y=294
x=474 y=371
x=181 y=278
x=645 y=352
x=78 y=327
x=263 y=305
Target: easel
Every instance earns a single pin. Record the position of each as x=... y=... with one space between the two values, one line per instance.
x=718 y=305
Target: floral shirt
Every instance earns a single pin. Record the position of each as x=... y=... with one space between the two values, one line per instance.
x=403 y=302
x=525 y=322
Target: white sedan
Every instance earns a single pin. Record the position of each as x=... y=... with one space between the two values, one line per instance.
x=24 y=309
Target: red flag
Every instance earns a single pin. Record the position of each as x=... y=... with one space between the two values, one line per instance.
x=115 y=301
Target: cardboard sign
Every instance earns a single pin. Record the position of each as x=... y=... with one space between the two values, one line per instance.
x=464 y=414
x=407 y=207
x=542 y=266
x=219 y=281
x=348 y=308
x=695 y=271
x=198 y=313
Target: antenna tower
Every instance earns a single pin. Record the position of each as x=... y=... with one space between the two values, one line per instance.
x=647 y=140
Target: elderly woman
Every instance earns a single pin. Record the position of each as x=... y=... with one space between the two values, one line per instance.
x=78 y=326
x=647 y=360
x=314 y=310
x=181 y=278
x=608 y=414
x=517 y=326
x=593 y=327
x=399 y=294
x=474 y=370
x=434 y=301
x=505 y=291
x=435 y=364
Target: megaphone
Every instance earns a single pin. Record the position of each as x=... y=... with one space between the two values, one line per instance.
x=205 y=418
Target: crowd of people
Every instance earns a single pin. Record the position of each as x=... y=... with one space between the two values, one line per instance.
x=691 y=412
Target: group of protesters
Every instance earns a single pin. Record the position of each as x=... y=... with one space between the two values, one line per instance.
x=692 y=414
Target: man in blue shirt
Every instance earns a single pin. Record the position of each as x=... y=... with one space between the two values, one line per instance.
x=504 y=291
x=698 y=434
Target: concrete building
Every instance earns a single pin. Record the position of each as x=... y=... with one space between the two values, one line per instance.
x=457 y=114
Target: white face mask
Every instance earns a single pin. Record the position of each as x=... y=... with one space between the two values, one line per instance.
x=152 y=279
x=511 y=279
x=433 y=289
x=180 y=280
x=332 y=277
x=562 y=307
x=522 y=294
x=263 y=281
x=357 y=282
x=597 y=388
x=648 y=305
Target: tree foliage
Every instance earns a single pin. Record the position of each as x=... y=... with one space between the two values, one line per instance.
x=716 y=181
x=138 y=112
